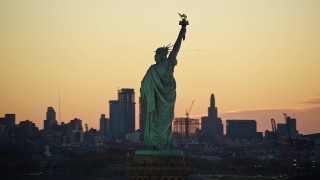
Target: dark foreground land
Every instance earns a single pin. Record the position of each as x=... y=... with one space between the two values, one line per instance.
x=193 y=177
x=109 y=165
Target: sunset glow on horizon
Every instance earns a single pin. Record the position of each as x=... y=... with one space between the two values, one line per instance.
x=260 y=58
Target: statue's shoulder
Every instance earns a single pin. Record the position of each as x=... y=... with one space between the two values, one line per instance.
x=152 y=67
x=150 y=70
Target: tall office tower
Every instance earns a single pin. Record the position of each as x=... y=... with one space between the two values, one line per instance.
x=242 y=129
x=142 y=115
x=126 y=98
x=116 y=115
x=122 y=113
x=51 y=119
x=211 y=125
x=9 y=121
x=104 y=125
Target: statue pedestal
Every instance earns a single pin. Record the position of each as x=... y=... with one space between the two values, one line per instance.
x=158 y=165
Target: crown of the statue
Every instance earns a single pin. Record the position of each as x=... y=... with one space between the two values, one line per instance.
x=164 y=49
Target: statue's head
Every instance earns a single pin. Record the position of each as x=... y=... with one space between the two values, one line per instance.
x=161 y=53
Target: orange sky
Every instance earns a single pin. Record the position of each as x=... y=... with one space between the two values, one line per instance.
x=261 y=55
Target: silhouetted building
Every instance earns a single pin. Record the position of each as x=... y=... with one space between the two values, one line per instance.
x=76 y=124
x=26 y=132
x=126 y=98
x=242 y=129
x=93 y=137
x=64 y=128
x=283 y=130
x=259 y=136
x=122 y=113
x=117 y=129
x=269 y=135
x=51 y=119
x=104 y=125
x=9 y=121
x=291 y=126
x=211 y=125
x=77 y=131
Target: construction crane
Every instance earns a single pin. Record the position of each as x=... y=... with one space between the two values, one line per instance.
x=187 y=112
x=275 y=132
x=187 y=120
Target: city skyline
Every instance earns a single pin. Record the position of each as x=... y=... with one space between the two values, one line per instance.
x=260 y=59
x=128 y=97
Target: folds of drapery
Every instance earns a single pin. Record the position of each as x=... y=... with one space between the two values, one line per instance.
x=158 y=91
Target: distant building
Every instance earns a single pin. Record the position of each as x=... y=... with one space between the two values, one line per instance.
x=50 y=121
x=8 y=121
x=116 y=119
x=269 y=135
x=211 y=125
x=126 y=98
x=122 y=113
x=76 y=131
x=283 y=130
x=76 y=124
x=104 y=125
x=26 y=132
x=93 y=137
x=289 y=128
x=259 y=136
x=292 y=126
x=241 y=129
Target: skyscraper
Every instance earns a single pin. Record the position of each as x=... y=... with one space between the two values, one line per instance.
x=51 y=119
x=211 y=125
x=116 y=115
x=104 y=125
x=126 y=98
x=122 y=113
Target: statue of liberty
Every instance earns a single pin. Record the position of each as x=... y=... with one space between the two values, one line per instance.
x=158 y=92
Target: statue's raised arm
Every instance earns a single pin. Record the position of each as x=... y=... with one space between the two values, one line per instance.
x=181 y=36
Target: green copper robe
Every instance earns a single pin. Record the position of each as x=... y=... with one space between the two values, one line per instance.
x=158 y=92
